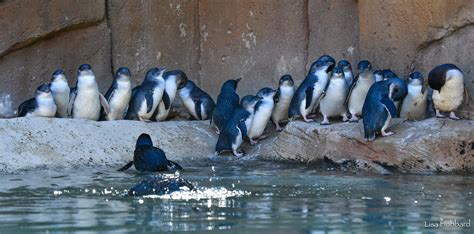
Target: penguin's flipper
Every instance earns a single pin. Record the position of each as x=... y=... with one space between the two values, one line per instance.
x=149 y=101
x=389 y=105
x=354 y=83
x=135 y=90
x=128 y=165
x=26 y=107
x=104 y=103
x=197 y=107
x=309 y=96
x=166 y=100
x=243 y=128
x=276 y=98
x=174 y=166
x=72 y=98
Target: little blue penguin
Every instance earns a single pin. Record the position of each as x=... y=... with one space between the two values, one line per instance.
x=379 y=107
x=283 y=97
x=160 y=185
x=249 y=102
x=347 y=70
x=147 y=96
x=174 y=80
x=227 y=101
x=198 y=103
x=309 y=92
x=378 y=75
x=60 y=90
x=86 y=100
x=42 y=105
x=415 y=104
x=146 y=157
x=262 y=114
x=119 y=94
x=447 y=82
x=360 y=87
x=332 y=104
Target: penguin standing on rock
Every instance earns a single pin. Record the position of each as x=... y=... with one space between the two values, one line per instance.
x=447 y=82
x=42 y=105
x=415 y=104
x=263 y=112
x=86 y=100
x=146 y=157
x=147 y=96
x=119 y=94
x=332 y=104
x=248 y=103
x=60 y=90
x=283 y=97
x=227 y=101
x=359 y=89
x=309 y=92
x=198 y=103
x=174 y=80
x=379 y=107
x=347 y=70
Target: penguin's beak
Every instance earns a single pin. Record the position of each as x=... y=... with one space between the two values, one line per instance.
x=238 y=79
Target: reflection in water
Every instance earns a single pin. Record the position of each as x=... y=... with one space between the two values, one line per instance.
x=234 y=197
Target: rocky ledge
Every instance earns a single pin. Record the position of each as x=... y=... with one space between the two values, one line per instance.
x=432 y=145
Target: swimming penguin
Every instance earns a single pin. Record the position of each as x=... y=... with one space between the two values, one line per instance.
x=332 y=104
x=360 y=87
x=60 y=90
x=146 y=157
x=378 y=75
x=227 y=101
x=234 y=130
x=415 y=104
x=119 y=94
x=262 y=114
x=160 y=185
x=447 y=82
x=42 y=105
x=86 y=100
x=198 y=103
x=147 y=96
x=347 y=70
x=379 y=107
x=174 y=80
x=283 y=97
x=309 y=92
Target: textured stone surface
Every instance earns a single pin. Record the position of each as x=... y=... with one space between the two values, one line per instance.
x=256 y=40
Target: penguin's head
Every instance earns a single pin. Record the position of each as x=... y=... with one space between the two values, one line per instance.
x=181 y=79
x=249 y=101
x=364 y=66
x=322 y=65
x=266 y=93
x=328 y=58
x=58 y=75
x=85 y=70
x=230 y=85
x=144 y=140
x=387 y=73
x=415 y=78
x=337 y=73
x=123 y=74
x=43 y=91
x=398 y=88
x=345 y=65
x=154 y=73
x=286 y=80
x=188 y=85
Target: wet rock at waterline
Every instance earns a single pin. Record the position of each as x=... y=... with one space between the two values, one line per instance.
x=432 y=145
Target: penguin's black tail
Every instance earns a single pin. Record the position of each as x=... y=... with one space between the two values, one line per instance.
x=128 y=165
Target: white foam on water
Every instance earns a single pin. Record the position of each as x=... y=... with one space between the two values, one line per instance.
x=201 y=194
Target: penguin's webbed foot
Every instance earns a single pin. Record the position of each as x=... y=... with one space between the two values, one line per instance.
x=325 y=121
x=344 y=118
x=253 y=142
x=278 y=128
x=353 y=119
x=238 y=154
x=389 y=133
x=453 y=116
x=439 y=115
x=370 y=138
x=307 y=120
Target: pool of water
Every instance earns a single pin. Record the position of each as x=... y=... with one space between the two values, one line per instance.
x=236 y=196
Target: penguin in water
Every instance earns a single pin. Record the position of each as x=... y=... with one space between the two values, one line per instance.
x=309 y=92
x=160 y=185
x=347 y=70
x=332 y=104
x=378 y=75
x=283 y=97
x=86 y=100
x=379 y=107
x=198 y=103
x=60 y=90
x=147 y=96
x=263 y=113
x=227 y=101
x=447 y=82
x=146 y=157
x=234 y=130
x=119 y=94
x=415 y=104
x=42 y=105
x=360 y=87
x=174 y=80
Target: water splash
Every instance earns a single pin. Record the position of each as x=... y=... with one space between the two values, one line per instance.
x=202 y=193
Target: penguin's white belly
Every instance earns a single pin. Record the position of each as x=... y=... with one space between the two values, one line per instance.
x=87 y=104
x=280 y=112
x=237 y=141
x=357 y=98
x=317 y=92
x=157 y=95
x=414 y=105
x=332 y=103
x=62 y=101
x=451 y=95
x=46 y=107
x=162 y=111
x=248 y=122
x=190 y=106
x=260 y=120
x=119 y=103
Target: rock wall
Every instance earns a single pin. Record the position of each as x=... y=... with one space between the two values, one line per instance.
x=214 y=40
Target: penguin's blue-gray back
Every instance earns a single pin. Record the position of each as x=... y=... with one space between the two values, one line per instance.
x=227 y=101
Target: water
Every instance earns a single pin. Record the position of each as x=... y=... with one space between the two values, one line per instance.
x=237 y=197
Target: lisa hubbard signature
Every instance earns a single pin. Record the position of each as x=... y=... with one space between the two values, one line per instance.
x=448 y=223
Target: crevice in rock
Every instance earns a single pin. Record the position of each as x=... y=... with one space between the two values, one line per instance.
x=447 y=34
x=111 y=52
x=200 y=43
x=307 y=34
